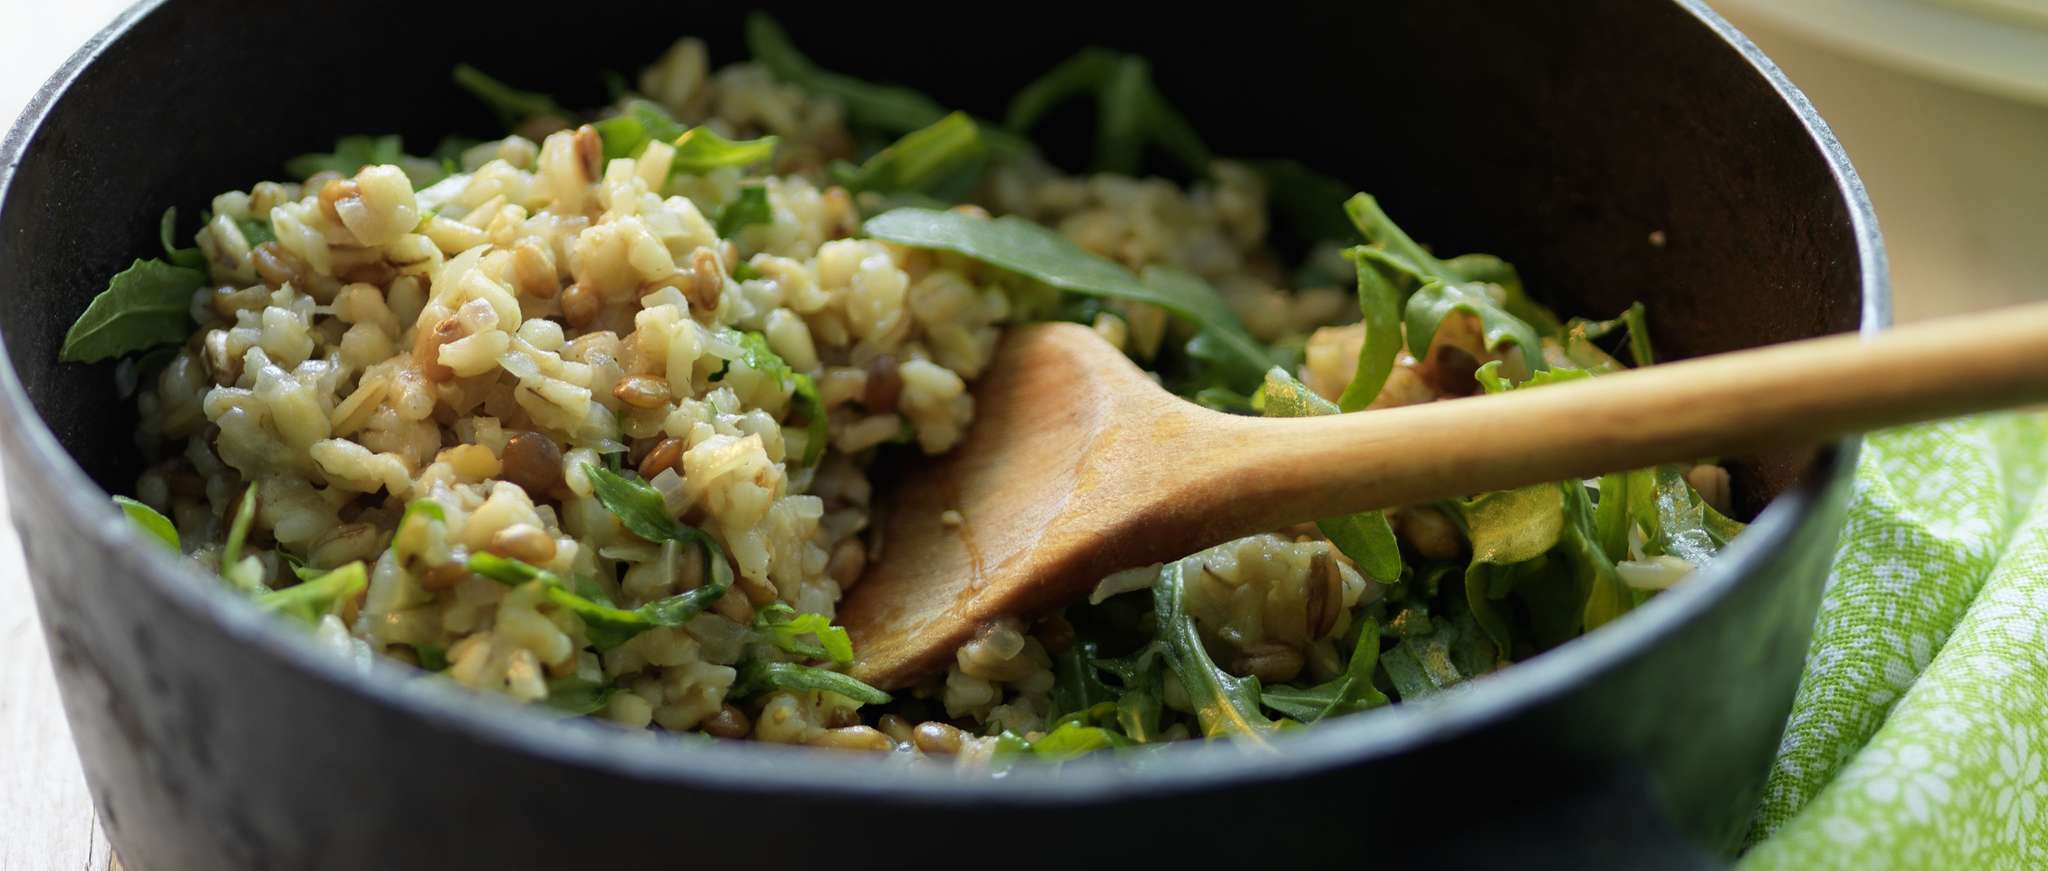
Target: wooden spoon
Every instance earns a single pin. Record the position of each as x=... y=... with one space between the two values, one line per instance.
x=1078 y=465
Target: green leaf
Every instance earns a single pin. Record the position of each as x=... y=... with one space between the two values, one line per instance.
x=578 y=696
x=607 y=626
x=1070 y=740
x=1507 y=528
x=1130 y=111
x=1379 y=307
x=238 y=529
x=146 y=305
x=184 y=258
x=638 y=123
x=700 y=150
x=1076 y=686
x=921 y=160
x=749 y=208
x=1225 y=704
x=1310 y=202
x=148 y=520
x=308 y=601
x=352 y=153
x=256 y=232
x=1348 y=693
x=1043 y=255
x=1435 y=301
x=786 y=629
x=759 y=676
x=1366 y=537
x=884 y=107
x=1635 y=321
x=510 y=104
x=1490 y=380
x=642 y=510
x=432 y=657
x=756 y=355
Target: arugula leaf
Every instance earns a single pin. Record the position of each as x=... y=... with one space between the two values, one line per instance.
x=1070 y=740
x=1490 y=380
x=785 y=628
x=1347 y=693
x=238 y=529
x=510 y=104
x=432 y=657
x=700 y=150
x=308 y=601
x=1366 y=537
x=148 y=520
x=578 y=696
x=1043 y=255
x=749 y=208
x=1635 y=321
x=643 y=511
x=884 y=107
x=948 y=149
x=352 y=153
x=1379 y=308
x=607 y=626
x=1130 y=110
x=1225 y=704
x=184 y=258
x=759 y=676
x=1309 y=201
x=1076 y=686
x=146 y=305
x=1507 y=528
x=255 y=232
x=1445 y=287
x=803 y=389
x=1435 y=301
x=638 y=123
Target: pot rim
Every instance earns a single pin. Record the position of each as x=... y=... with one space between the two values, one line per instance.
x=743 y=767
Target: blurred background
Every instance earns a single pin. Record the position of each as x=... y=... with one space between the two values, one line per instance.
x=1942 y=105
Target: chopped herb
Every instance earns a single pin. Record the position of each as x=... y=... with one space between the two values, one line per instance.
x=148 y=520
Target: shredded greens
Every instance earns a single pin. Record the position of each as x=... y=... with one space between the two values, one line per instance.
x=146 y=305
x=148 y=520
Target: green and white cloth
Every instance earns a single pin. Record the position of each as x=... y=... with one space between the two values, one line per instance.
x=1919 y=738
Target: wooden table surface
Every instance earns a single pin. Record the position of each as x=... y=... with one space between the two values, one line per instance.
x=1958 y=180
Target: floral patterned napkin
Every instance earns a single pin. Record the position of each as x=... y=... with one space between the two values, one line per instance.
x=1919 y=733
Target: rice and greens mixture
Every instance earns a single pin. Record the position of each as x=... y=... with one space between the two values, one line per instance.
x=584 y=415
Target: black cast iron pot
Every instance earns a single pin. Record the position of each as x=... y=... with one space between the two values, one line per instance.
x=1560 y=135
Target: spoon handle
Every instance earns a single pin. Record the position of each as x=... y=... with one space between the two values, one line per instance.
x=1793 y=395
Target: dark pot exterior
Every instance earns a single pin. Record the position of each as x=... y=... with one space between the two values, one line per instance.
x=1559 y=135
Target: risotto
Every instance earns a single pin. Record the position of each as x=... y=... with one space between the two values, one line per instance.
x=584 y=416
